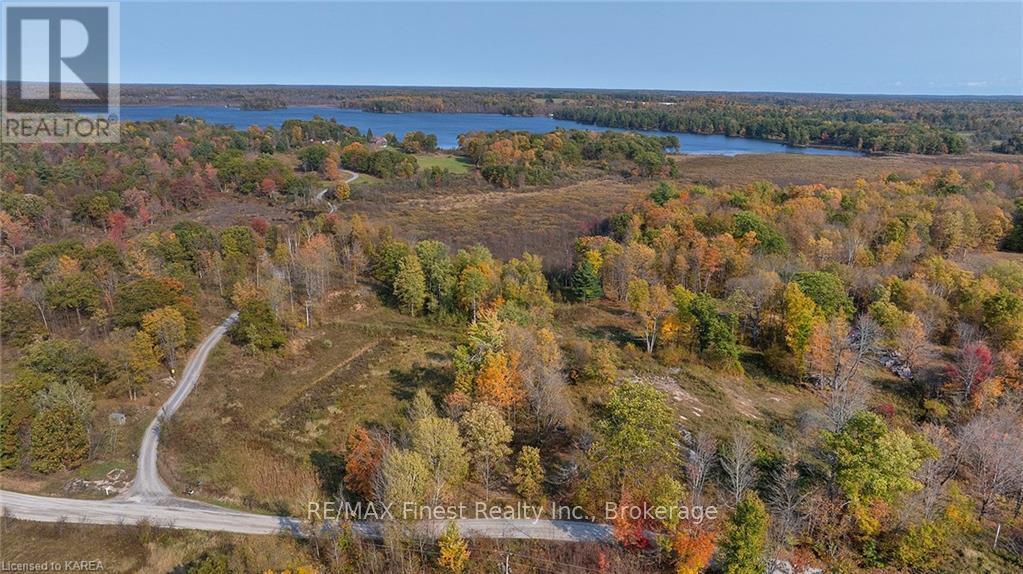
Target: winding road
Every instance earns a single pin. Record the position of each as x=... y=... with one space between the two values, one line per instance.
x=149 y=498
x=321 y=196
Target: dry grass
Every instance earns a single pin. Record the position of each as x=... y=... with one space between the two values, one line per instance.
x=547 y=220
x=142 y=549
x=264 y=432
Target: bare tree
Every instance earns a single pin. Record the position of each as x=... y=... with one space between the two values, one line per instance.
x=737 y=460
x=843 y=352
x=700 y=461
x=845 y=401
x=541 y=366
x=786 y=501
x=935 y=471
x=993 y=453
x=757 y=289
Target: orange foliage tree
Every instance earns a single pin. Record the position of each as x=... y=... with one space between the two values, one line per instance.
x=364 y=454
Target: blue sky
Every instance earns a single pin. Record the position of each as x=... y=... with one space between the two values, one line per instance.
x=823 y=46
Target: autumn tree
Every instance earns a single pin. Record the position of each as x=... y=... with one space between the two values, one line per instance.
x=529 y=475
x=438 y=442
x=453 y=550
x=144 y=355
x=409 y=285
x=801 y=315
x=487 y=437
x=166 y=326
x=498 y=382
x=972 y=368
x=694 y=547
x=363 y=455
x=59 y=439
x=651 y=305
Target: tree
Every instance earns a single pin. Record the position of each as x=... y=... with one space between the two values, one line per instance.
x=312 y=157
x=257 y=326
x=715 y=332
x=586 y=277
x=166 y=326
x=439 y=273
x=871 y=462
x=826 y=290
x=529 y=475
x=409 y=285
x=973 y=367
x=694 y=547
x=20 y=322
x=498 y=382
x=76 y=291
x=59 y=439
x=143 y=356
x=342 y=191
x=135 y=299
x=404 y=478
x=487 y=436
x=650 y=305
x=637 y=431
x=453 y=550
x=991 y=447
x=422 y=406
x=769 y=241
x=67 y=360
x=437 y=441
x=738 y=461
x=473 y=285
x=361 y=462
x=801 y=315
x=745 y=537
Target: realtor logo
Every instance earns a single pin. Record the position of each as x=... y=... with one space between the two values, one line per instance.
x=61 y=73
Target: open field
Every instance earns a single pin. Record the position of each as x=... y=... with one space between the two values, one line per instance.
x=785 y=169
x=452 y=163
x=263 y=432
x=546 y=220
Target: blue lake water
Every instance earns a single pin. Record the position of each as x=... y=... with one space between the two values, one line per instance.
x=447 y=126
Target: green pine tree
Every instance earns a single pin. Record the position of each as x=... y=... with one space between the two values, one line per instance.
x=745 y=539
x=586 y=281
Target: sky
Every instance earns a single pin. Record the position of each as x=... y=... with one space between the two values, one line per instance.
x=921 y=47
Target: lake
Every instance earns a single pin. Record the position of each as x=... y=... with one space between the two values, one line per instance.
x=447 y=126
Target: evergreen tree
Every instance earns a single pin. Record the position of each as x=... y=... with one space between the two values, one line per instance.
x=745 y=539
x=454 y=550
x=586 y=281
x=528 y=477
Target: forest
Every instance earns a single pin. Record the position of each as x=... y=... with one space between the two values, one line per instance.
x=835 y=367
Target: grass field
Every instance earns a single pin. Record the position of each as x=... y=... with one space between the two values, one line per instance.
x=262 y=432
x=452 y=163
